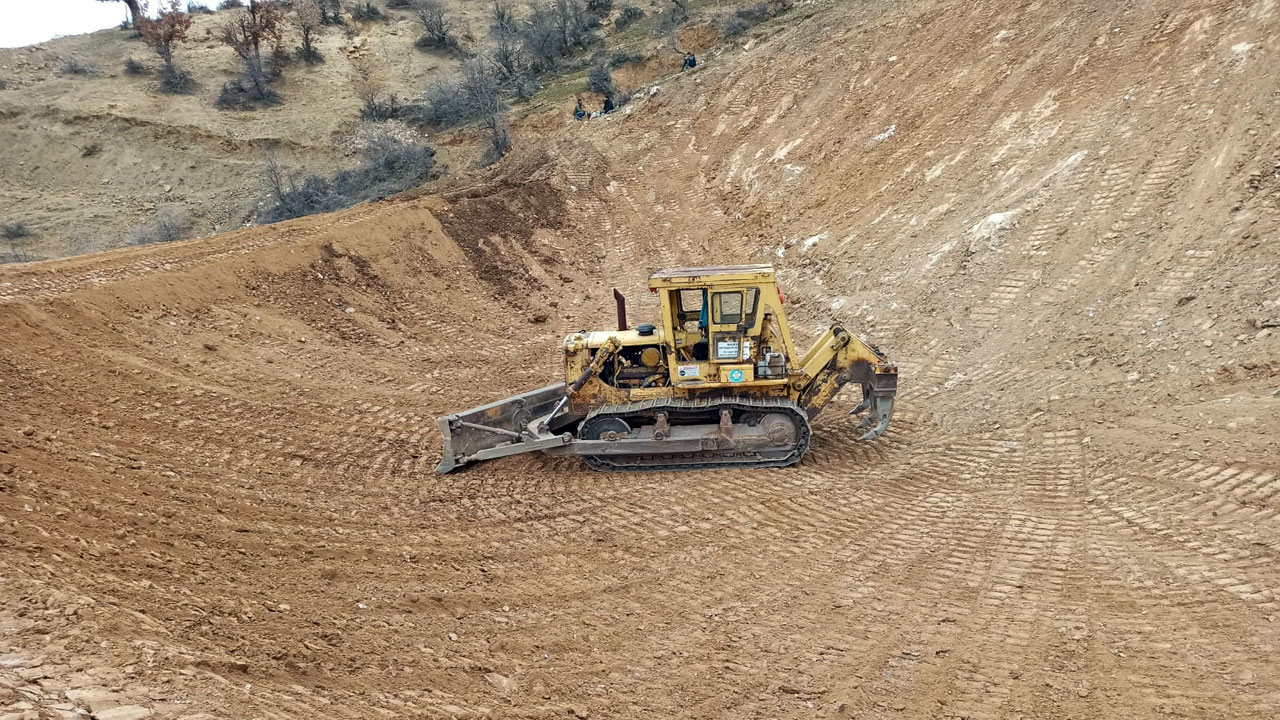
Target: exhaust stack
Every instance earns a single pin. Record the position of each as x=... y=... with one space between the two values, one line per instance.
x=622 y=309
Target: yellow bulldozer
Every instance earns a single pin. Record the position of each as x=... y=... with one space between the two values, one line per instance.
x=715 y=382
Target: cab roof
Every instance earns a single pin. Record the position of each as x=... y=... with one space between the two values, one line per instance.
x=683 y=277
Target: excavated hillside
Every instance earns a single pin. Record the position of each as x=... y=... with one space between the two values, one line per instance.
x=216 y=486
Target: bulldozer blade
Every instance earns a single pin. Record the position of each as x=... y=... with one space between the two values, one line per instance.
x=878 y=418
x=499 y=428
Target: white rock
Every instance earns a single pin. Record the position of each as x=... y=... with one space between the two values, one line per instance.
x=124 y=712
x=501 y=682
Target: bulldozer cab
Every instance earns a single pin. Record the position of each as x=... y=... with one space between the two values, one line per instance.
x=726 y=324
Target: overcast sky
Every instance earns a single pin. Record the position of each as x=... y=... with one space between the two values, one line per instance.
x=27 y=22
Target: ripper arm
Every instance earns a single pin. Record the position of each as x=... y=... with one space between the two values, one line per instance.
x=839 y=358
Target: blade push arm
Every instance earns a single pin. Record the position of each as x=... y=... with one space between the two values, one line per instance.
x=606 y=351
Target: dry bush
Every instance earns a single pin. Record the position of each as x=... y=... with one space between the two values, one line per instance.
x=438 y=30
x=600 y=80
x=392 y=159
x=629 y=16
x=367 y=12
x=377 y=109
x=15 y=230
x=309 y=20
x=745 y=18
x=77 y=66
x=502 y=19
x=475 y=94
x=499 y=141
x=167 y=226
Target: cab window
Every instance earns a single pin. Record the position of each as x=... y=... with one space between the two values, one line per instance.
x=691 y=309
x=727 y=307
x=749 y=308
x=690 y=300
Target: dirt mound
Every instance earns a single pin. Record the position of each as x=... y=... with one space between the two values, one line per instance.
x=216 y=488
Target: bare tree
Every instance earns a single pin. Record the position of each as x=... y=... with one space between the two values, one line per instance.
x=499 y=141
x=163 y=34
x=600 y=80
x=330 y=12
x=137 y=10
x=669 y=21
x=308 y=17
x=258 y=25
x=438 y=28
x=503 y=21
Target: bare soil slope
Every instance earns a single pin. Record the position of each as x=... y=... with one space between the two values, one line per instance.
x=179 y=153
x=216 y=496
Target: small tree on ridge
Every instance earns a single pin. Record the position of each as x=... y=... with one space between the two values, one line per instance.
x=163 y=34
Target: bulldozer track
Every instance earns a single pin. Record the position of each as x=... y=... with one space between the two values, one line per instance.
x=707 y=411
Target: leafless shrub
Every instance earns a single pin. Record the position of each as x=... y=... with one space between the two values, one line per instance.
x=133 y=67
x=438 y=29
x=622 y=57
x=499 y=141
x=600 y=80
x=167 y=226
x=90 y=150
x=330 y=12
x=14 y=232
x=628 y=17
x=474 y=95
x=670 y=19
x=241 y=94
x=390 y=161
x=77 y=66
x=378 y=109
x=745 y=18
x=733 y=26
x=557 y=30
x=502 y=20
x=367 y=12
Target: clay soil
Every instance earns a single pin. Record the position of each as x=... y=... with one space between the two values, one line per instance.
x=217 y=496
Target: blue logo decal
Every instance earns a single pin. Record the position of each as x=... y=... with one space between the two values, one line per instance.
x=737 y=375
